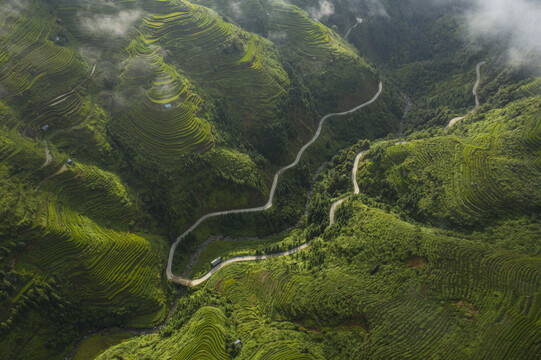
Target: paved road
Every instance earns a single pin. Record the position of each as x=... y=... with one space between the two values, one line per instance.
x=338 y=202
x=354 y=171
x=184 y=281
x=474 y=91
x=359 y=21
x=335 y=206
x=189 y=282
x=476 y=85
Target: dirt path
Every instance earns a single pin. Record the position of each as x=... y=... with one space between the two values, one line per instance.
x=55 y=101
x=60 y=171
x=474 y=91
x=48 y=155
x=188 y=282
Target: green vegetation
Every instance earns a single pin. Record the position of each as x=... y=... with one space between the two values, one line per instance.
x=329 y=306
x=169 y=110
x=96 y=344
x=474 y=276
x=486 y=169
x=203 y=337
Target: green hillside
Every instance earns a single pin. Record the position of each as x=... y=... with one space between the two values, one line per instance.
x=439 y=292
x=167 y=111
x=124 y=122
x=485 y=169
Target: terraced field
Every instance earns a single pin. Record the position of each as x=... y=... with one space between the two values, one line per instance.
x=203 y=337
x=178 y=56
x=324 y=60
x=167 y=108
x=468 y=179
x=218 y=56
x=165 y=118
x=110 y=267
x=75 y=229
x=188 y=282
x=32 y=60
x=428 y=284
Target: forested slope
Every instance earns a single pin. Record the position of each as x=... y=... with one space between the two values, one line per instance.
x=167 y=110
x=389 y=280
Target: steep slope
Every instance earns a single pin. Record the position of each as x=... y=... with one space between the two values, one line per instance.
x=167 y=111
x=377 y=284
x=486 y=169
x=331 y=67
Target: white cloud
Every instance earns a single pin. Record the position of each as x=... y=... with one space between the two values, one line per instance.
x=236 y=11
x=324 y=9
x=277 y=36
x=113 y=25
x=518 y=22
x=376 y=9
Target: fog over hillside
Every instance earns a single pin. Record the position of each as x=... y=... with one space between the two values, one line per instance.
x=516 y=21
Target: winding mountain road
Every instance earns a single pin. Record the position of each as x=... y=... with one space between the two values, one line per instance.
x=192 y=282
x=474 y=91
x=359 y=21
x=189 y=282
x=337 y=203
x=476 y=85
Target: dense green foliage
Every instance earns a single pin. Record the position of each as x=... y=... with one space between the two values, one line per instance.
x=171 y=109
x=438 y=291
x=483 y=173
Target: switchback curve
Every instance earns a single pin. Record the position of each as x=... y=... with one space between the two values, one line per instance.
x=474 y=91
x=356 y=190
x=190 y=282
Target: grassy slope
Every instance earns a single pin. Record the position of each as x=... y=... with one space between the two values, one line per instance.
x=483 y=173
x=437 y=293
x=329 y=306
x=80 y=244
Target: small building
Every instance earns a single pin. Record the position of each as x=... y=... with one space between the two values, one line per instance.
x=44 y=127
x=59 y=21
x=168 y=106
x=238 y=344
x=71 y=162
x=268 y=14
x=216 y=261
